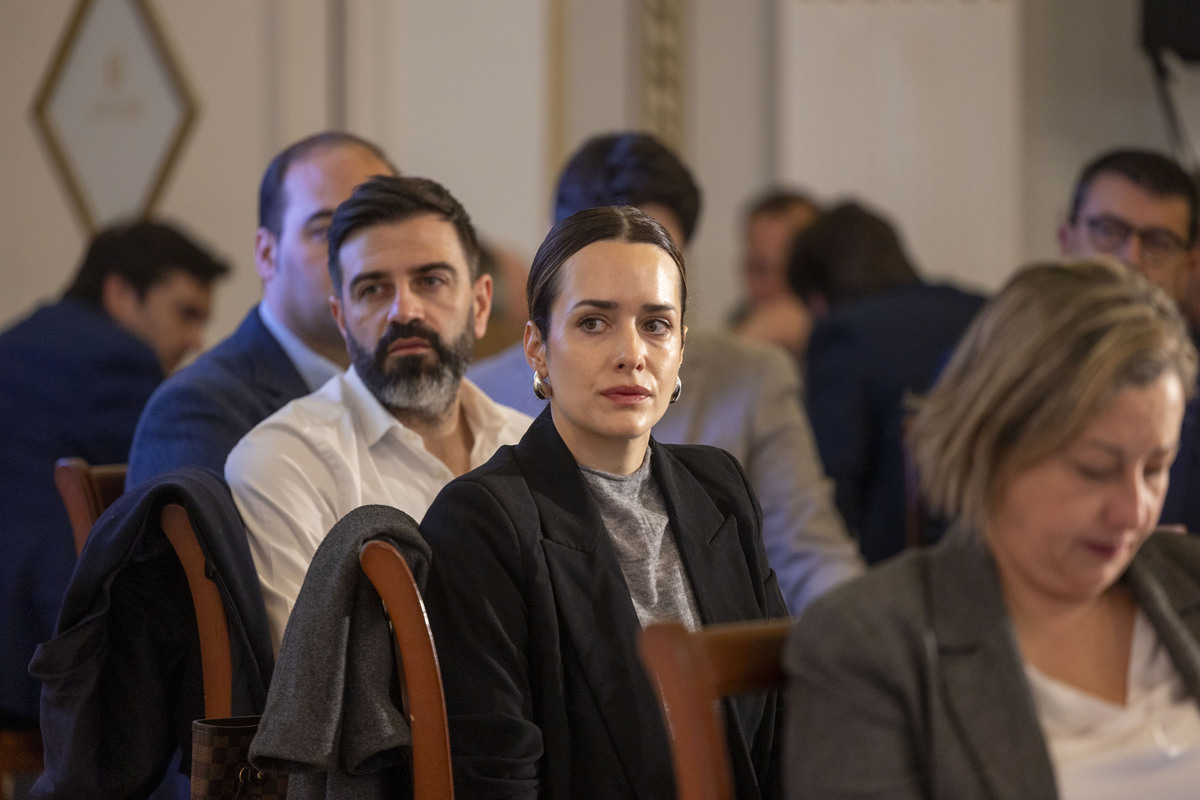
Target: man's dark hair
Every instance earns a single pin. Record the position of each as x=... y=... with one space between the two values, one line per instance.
x=628 y=169
x=1153 y=172
x=778 y=201
x=143 y=253
x=385 y=199
x=848 y=253
x=271 y=202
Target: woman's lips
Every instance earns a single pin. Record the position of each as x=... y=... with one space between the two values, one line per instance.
x=1106 y=550
x=627 y=395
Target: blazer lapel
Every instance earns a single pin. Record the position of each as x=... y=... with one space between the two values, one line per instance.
x=709 y=544
x=1170 y=598
x=265 y=360
x=982 y=677
x=593 y=600
x=715 y=558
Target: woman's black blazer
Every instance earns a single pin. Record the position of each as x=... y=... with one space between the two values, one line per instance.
x=536 y=631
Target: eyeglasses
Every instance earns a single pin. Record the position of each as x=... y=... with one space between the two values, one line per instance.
x=1109 y=234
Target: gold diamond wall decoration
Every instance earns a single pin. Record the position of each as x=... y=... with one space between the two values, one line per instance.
x=113 y=111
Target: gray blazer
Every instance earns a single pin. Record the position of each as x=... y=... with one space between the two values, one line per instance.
x=330 y=719
x=908 y=682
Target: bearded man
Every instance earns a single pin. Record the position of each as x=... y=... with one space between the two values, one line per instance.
x=401 y=422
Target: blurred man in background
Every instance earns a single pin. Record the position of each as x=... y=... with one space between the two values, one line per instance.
x=74 y=377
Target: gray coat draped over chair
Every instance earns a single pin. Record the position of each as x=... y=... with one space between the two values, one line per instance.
x=332 y=718
x=909 y=684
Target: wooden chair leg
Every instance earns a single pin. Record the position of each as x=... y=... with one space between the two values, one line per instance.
x=20 y=753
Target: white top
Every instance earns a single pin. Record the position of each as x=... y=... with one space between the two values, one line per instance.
x=323 y=455
x=1149 y=747
x=313 y=367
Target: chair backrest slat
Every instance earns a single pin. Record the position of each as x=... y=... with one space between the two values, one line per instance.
x=691 y=672
x=420 y=673
x=86 y=492
x=216 y=659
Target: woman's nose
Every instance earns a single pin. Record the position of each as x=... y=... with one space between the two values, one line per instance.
x=631 y=350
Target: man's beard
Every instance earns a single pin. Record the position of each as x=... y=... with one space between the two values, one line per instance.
x=413 y=384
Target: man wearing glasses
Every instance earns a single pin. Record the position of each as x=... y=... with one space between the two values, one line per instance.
x=1141 y=207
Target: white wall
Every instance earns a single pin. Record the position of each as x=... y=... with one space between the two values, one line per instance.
x=913 y=107
x=224 y=47
x=729 y=141
x=966 y=121
x=1086 y=87
x=467 y=107
x=461 y=90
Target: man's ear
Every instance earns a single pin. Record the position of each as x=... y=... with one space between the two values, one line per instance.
x=1192 y=268
x=1066 y=239
x=339 y=313
x=266 y=248
x=481 y=302
x=535 y=349
x=120 y=300
x=1188 y=290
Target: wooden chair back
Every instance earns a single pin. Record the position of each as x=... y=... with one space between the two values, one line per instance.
x=86 y=491
x=421 y=678
x=216 y=658
x=20 y=753
x=691 y=672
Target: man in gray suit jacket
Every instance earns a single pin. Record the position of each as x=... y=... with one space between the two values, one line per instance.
x=288 y=345
x=741 y=397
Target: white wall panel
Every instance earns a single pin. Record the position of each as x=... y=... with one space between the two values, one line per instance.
x=468 y=108
x=914 y=107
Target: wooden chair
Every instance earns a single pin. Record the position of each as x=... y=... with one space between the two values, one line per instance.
x=691 y=672
x=216 y=660
x=421 y=678
x=86 y=491
x=20 y=753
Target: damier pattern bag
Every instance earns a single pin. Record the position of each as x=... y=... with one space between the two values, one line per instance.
x=221 y=767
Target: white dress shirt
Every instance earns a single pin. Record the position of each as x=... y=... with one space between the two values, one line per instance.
x=321 y=456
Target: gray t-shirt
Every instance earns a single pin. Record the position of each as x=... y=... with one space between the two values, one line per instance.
x=636 y=519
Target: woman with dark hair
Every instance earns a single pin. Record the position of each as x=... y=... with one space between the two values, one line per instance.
x=549 y=559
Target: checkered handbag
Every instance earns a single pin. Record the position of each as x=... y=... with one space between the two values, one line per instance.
x=221 y=767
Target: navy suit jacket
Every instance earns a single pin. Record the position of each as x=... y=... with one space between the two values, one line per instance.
x=537 y=634
x=1182 y=504
x=864 y=360
x=198 y=415
x=72 y=383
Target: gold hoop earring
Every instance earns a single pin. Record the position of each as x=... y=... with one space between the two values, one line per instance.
x=678 y=389
x=541 y=388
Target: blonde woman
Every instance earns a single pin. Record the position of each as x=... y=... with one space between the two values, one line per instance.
x=1050 y=645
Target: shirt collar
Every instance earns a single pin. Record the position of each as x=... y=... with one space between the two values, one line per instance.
x=313 y=367
x=484 y=416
